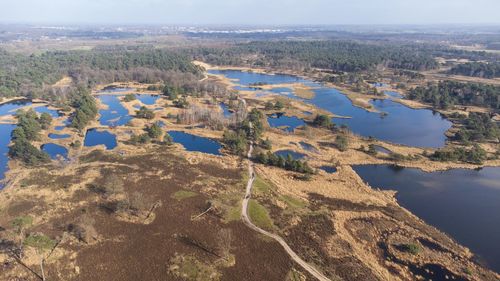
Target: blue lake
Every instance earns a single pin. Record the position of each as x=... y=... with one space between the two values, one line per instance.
x=382 y=149
x=10 y=108
x=462 y=203
x=59 y=128
x=162 y=124
x=95 y=137
x=116 y=114
x=225 y=110
x=147 y=99
x=59 y=136
x=295 y=155
x=288 y=123
x=393 y=94
x=379 y=84
x=328 y=169
x=44 y=109
x=308 y=146
x=401 y=125
x=5 y=131
x=282 y=91
x=196 y=143
x=115 y=89
x=55 y=151
x=245 y=79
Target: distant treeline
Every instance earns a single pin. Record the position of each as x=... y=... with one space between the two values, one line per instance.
x=448 y=93
x=346 y=56
x=477 y=69
x=31 y=75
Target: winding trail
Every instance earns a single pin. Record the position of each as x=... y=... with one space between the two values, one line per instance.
x=246 y=219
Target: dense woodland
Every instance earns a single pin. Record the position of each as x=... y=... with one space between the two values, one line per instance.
x=448 y=93
x=333 y=55
x=477 y=127
x=477 y=69
x=31 y=76
x=28 y=129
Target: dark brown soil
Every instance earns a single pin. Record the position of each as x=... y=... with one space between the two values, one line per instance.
x=136 y=251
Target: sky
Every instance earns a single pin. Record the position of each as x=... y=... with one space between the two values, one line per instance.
x=251 y=12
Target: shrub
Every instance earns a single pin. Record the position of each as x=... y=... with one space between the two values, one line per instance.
x=341 y=142
x=129 y=98
x=154 y=131
x=145 y=113
x=413 y=249
x=322 y=121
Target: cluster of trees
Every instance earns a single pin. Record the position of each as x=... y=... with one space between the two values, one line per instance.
x=236 y=140
x=477 y=69
x=181 y=102
x=129 y=98
x=172 y=92
x=195 y=114
x=278 y=105
x=346 y=56
x=287 y=163
x=28 y=129
x=448 y=93
x=475 y=155
x=478 y=127
x=153 y=132
x=145 y=113
x=85 y=108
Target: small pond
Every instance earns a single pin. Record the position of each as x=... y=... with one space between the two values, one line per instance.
x=5 y=131
x=328 y=169
x=295 y=155
x=287 y=123
x=10 y=108
x=147 y=99
x=95 y=138
x=196 y=143
x=59 y=136
x=115 y=89
x=225 y=109
x=308 y=146
x=116 y=114
x=393 y=94
x=55 y=151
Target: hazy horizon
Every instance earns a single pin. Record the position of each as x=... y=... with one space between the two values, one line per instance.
x=257 y=12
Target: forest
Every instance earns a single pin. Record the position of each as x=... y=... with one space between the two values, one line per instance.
x=449 y=93
x=31 y=76
x=346 y=56
x=477 y=69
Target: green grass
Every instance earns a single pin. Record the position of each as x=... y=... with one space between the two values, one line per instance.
x=259 y=215
x=183 y=194
x=234 y=213
x=22 y=222
x=261 y=187
x=189 y=268
x=39 y=241
x=294 y=275
x=293 y=202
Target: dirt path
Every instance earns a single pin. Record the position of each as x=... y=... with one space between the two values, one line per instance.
x=246 y=219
